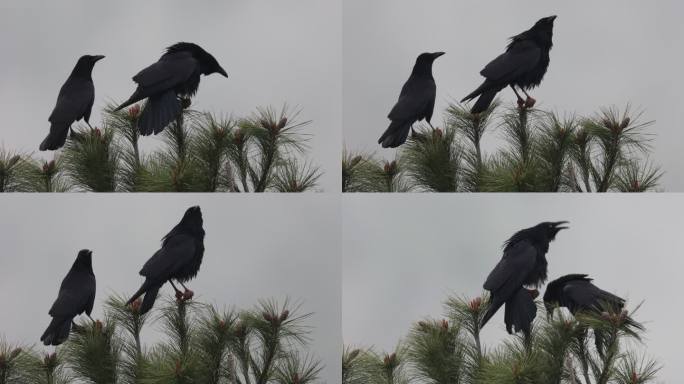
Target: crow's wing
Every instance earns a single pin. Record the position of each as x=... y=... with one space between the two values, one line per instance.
x=75 y=295
x=75 y=100
x=509 y=274
x=171 y=70
x=583 y=294
x=416 y=96
x=518 y=59
x=177 y=252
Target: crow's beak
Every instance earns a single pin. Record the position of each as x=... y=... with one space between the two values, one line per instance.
x=552 y=18
x=437 y=54
x=559 y=225
x=222 y=72
x=90 y=253
x=98 y=58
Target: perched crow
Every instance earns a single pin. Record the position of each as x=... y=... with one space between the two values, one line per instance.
x=179 y=258
x=176 y=74
x=74 y=102
x=576 y=293
x=520 y=311
x=416 y=102
x=523 y=64
x=523 y=263
x=76 y=295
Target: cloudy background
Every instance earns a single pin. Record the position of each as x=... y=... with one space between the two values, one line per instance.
x=256 y=248
x=275 y=52
x=605 y=53
x=403 y=255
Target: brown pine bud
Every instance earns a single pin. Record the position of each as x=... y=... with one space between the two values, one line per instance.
x=445 y=325
x=98 y=325
x=475 y=304
x=134 y=111
x=179 y=369
x=295 y=378
x=15 y=352
x=625 y=123
x=284 y=315
x=267 y=316
x=135 y=306
x=353 y=354
x=355 y=161
x=14 y=160
x=282 y=123
x=438 y=133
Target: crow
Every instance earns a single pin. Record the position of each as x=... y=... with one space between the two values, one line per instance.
x=416 y=102
x=76 y=295
x=523 y=64
x=520 y=311
x=523 y=263
x=74 y=103
x=176 y=74
x=576 y=293
x=179 y=258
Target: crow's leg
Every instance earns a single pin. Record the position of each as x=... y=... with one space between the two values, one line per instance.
x=179 y=294
x=529 y=102
x=521 y=102
x=91 y=319
x=91 y=127
x=188 y=294
x=430 y=124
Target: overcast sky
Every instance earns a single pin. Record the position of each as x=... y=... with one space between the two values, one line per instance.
x=403 y=255
x=275 y=52
x=605 y=53
x=256 y=248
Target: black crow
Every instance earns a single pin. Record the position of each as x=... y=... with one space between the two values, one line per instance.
x=76 y=295
x=179 y=258
x=523 y=263
x=74 y=103
x=523 y=64
x=176 y=74
x=576 y=293
x=520 y=311
x=416 y=102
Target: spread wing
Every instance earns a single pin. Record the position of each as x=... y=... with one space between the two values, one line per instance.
x=508 y=275
x=172 y=69
x=177 y=252
x=416 y=97
x=521 y=57
x=74 y=101
x=586 y=295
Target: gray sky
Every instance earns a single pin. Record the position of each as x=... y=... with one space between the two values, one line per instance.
x=275 y=52
x=605 y=53
x=403 y=255
x=273 y=246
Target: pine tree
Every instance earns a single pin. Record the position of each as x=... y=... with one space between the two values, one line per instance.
x=542 y=152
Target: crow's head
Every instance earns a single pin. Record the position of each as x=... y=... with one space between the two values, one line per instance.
x=208 y=63
x=542 y=31
x=193 y=217
x=84 y=259
x=427 y=58
x=84 y=65
x=551 y=228
x=424 y=62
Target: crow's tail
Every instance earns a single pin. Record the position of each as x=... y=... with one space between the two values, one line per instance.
x=483 y=101
x=57 y=332
x=159 y=111
x=493 y=307
x=56 y=138
x=396 y=134
x=520 y=312
x=486 y=91
x=150 y=292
